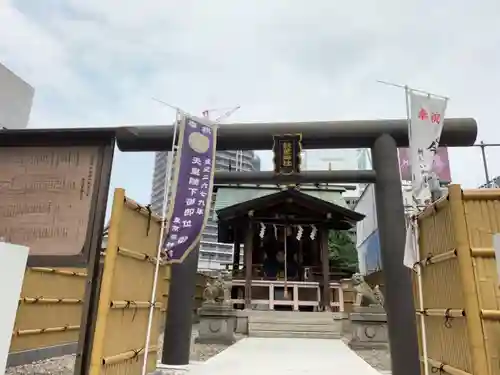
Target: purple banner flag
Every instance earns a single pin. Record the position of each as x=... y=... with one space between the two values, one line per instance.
x=192 y=187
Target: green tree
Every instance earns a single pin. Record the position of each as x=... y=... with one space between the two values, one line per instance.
x=343 y=253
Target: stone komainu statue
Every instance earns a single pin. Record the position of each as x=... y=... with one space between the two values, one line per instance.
x=370 y=296
x=216 y=291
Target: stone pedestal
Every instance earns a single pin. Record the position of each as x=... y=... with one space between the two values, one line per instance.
x=171 y=370
x=368 y=328
x=217 y=324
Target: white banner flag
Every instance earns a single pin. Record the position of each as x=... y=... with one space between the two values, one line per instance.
x=426 y=123
x=411 y=256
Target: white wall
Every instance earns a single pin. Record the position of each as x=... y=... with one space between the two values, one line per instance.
x=16 y=99
x=13 y=260
x=366 y=227
x=366 y=206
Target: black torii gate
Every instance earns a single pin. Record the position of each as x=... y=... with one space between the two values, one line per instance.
x=383 y=137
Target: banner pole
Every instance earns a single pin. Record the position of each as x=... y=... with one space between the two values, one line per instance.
x=166 y=193
x=485 y=162
x=429 y=142
x=415 y=90
x=415 y=246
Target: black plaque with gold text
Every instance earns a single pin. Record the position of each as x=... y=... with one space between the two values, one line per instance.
x=287 y=149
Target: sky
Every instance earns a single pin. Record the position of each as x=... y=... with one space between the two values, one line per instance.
x=100 y=62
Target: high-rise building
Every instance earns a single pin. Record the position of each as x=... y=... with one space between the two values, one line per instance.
x=213 y=255
x=16 y=99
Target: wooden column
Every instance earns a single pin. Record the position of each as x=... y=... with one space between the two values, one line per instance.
x=325 y=263
x=248 y=249
x=236 y=256
x=236 y=260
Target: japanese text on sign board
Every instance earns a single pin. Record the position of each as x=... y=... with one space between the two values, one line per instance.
x=287 y=153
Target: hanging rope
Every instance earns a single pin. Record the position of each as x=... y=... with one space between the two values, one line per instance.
x=418 y=268
x=285 y=231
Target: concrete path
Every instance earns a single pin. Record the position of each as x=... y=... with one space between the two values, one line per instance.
x=281 y=356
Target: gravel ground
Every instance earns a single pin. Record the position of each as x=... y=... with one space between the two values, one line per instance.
x=64 y=365
x=379 y=359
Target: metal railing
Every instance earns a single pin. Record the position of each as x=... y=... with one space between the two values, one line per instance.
x=489 y=182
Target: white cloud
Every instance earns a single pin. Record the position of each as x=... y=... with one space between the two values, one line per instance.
x=100 y=62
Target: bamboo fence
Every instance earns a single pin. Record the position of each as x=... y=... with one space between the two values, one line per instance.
x=50 y=308
x=124 y=302
x=461 y=295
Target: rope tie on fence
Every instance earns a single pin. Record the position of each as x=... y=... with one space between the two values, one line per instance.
x=136 y=354
x=133 y=305
x=150 y=216
x=428 y=259
x=439 y=369
x=415 y=267
x=447 y=318
x=37 y=299
x=66 y=327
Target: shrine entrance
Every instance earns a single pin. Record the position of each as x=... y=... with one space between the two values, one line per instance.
x=383 y=137
x=286 y=263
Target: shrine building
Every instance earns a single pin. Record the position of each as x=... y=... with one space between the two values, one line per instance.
x=284 y=235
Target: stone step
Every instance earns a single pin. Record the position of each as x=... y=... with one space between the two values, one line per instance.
x=295 y=334
x=303 y=314
x=297 y=327
x=292 y=318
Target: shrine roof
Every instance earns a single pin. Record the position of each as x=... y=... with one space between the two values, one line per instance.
x=229 y=195
x=331 y=214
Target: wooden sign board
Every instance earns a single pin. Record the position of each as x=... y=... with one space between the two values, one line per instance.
x=48 y=201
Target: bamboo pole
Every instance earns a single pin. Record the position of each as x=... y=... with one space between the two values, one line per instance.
x=474 y=324
x=446 y=368
x=433 y=208
x=133 y=305
x=491 y=314
x=125 y=356
x=438 y=258
x=106 y=283
x=482 y=252
x=57 y=272
x=38 y=331
x=143 y=210
x=136 y=255
x=46 y=301
x=481 y=194
x=452 y=313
